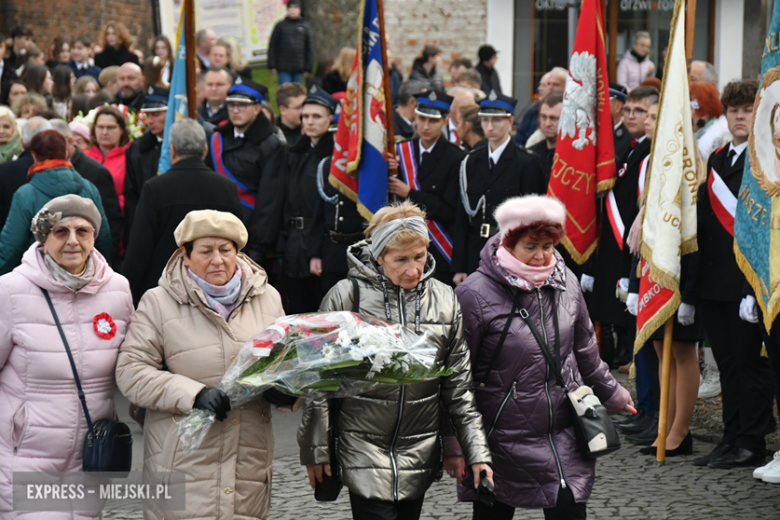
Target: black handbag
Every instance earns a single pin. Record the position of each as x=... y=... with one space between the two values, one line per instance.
x=108 y=447
x=594 y=430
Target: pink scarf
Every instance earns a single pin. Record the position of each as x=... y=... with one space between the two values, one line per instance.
x=534 y=275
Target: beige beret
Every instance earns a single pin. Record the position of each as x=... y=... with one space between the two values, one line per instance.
x=210 y=223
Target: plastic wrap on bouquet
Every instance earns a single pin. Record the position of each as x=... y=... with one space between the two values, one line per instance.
x=339 y=353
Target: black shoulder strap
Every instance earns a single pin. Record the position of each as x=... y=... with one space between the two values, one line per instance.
x=355 y=296
x=82 y=398
x=556 y=366
x=497 y=351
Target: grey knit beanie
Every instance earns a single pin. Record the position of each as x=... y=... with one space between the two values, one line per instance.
x=63 y=207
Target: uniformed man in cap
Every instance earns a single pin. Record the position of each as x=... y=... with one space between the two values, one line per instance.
x=302 y=285
x=427 y=169
x=336 y=225
x=247 y=151
x=490 y=174
x=143 y=155
x=621 y=136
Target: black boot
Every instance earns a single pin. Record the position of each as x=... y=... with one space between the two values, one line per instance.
x=647 y=436
x=636 y=423
x=607 y=344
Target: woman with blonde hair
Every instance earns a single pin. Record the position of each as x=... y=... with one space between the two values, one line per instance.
x=336 y=79
x=116 y=44
x=236 y=61
x=10 y=138
x=28 y=105
x=389 y=462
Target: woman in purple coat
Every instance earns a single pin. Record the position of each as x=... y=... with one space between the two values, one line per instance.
x=536 y=463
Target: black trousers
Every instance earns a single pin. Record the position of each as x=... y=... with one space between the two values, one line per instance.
x=745 y=376
x=371 y=509
x=304 y=295
x=565 y=509
x=772 y=342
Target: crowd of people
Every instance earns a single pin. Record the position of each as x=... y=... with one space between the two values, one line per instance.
x=245 y=227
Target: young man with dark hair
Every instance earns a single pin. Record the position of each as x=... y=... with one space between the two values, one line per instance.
x=289 y=100
x=549 y=115
x=217 y=83
x=458 y=66
x=80 y=58
x=731 y=319
x=22 y=36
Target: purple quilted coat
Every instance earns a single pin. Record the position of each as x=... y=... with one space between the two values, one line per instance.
x=531 y=436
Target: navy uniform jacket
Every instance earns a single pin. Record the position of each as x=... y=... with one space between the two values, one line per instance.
x=518 y=172
x=338 y=214
x=300 y=201
x=622 y=140
x=258 y=162
x=720 y=277
x=438 y=196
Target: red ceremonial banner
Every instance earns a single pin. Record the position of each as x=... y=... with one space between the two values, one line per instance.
x=584 y=162
x=652 y=297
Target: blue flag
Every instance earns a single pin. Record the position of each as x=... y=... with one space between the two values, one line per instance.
x=177 y=99
x=359 y=166
x=757 y=214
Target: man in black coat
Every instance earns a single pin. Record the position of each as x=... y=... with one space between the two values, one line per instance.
x=736 y=337
x=291 y=49
x=621 y=136
x=98 y=175
x=492 y=173
x=316 y=144
x=289 y=101
x=488 y=56
x=248 y=152
x=143 y=156
x=217 y=84
x=549 y=116
x=13 y=174
x=428 y=168
x=195 y=186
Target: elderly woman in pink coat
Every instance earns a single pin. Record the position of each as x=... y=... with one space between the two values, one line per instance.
x=42 y=425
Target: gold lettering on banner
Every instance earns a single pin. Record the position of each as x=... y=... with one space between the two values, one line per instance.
x=674 y=221
x=774 y=46
x=587 y=176
x=754 y=209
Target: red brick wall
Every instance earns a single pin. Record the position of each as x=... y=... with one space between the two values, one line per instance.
x=53 y=18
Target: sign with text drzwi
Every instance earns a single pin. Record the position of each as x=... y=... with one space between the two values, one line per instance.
x=248 y=21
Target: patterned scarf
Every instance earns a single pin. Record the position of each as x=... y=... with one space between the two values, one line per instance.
x=221 y=298
x=73 y=281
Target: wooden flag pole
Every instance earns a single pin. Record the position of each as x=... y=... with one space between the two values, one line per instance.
x=666 y=371
x=386 y=82
x=189 y=37
x=666 y=365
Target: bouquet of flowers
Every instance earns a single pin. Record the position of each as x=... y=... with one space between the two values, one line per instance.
x=136 y=121
x=339 y=353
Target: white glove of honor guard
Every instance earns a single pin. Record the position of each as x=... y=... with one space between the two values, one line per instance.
x=685 y=314
x=748 y=309
x=587 y=283
x=632 y=303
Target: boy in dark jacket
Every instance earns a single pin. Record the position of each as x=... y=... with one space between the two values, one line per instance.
x=291 y=50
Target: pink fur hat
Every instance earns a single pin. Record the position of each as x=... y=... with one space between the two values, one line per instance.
x=522 y=211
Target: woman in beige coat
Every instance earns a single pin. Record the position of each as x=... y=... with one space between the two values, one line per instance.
x=184 y=336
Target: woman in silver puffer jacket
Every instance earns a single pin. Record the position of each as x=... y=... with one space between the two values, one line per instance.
x=389 y=445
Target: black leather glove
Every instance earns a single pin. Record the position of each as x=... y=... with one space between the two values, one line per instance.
x=277 y=398
x=213 y=400
x=485 y=491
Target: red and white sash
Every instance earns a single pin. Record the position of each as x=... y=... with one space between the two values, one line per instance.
x=613 y=213
x=408 y=162
x=723 y=202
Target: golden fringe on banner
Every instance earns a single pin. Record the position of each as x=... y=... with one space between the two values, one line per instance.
x=575 y=255
x=351 y=195
x=605 y=185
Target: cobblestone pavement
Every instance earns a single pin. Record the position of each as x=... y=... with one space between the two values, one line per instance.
x=628 y=486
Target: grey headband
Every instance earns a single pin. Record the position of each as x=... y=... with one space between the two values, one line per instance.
x=383 y=235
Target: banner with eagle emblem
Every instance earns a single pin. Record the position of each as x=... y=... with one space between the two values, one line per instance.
x=584 y=161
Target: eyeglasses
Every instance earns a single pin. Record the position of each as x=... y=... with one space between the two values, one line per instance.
x=63 y=233
x=634 y=111
x=239 y=107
